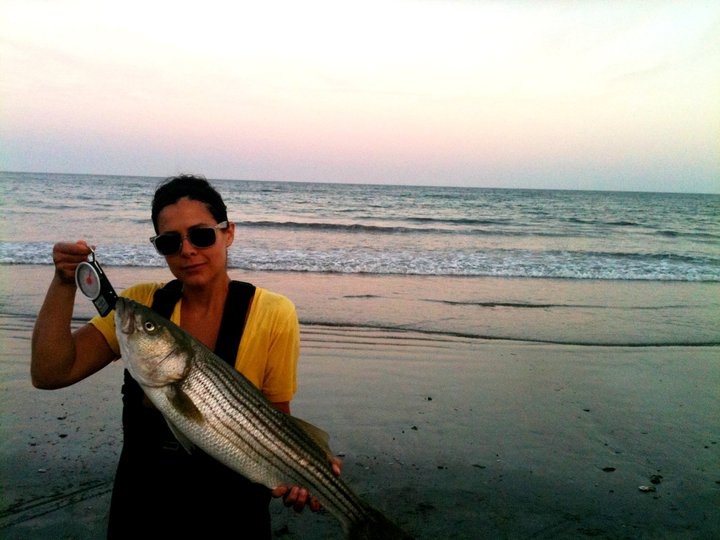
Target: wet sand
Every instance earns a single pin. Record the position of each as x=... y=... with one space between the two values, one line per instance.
x=452 y=436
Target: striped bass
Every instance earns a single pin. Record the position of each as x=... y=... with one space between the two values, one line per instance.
x=213 y=406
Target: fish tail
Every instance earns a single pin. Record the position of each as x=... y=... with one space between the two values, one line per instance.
x=375 y=526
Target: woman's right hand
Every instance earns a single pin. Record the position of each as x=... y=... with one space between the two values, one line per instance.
x=66 y=256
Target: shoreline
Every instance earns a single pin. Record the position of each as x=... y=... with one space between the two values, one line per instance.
x=450 y=436
x=563 y=312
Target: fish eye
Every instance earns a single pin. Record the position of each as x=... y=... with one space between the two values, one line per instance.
x=149 y=326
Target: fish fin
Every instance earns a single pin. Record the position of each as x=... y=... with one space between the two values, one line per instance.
x=316 y=434
x=189 y=447
x=375 y=526
x=184 y=405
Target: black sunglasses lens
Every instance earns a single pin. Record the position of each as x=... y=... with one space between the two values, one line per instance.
x=202 y=237
x=168 y=243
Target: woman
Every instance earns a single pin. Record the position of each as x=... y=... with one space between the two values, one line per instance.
x=159 y=488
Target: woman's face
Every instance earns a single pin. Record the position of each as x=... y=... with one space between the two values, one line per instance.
x=195 y=266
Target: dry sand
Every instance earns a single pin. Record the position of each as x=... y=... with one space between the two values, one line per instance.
x=450 y=436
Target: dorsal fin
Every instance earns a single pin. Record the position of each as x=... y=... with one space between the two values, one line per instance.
x=316 y=434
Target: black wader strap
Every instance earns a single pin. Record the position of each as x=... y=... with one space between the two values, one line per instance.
x=233 y=321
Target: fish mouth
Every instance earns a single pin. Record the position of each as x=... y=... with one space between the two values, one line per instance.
x=124 y=311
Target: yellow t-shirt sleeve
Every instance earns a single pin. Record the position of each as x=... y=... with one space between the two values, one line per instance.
x=270 y=347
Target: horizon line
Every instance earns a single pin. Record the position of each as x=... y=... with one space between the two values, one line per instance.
x=369 y=183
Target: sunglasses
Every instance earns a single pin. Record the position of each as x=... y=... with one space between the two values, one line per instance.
x=200 y=237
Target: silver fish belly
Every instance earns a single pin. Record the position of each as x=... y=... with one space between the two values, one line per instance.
x=214 y=407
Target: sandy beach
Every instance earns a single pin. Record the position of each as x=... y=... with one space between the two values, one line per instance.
x=461 y=415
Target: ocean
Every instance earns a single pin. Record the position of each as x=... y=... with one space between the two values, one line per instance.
x=383 y=230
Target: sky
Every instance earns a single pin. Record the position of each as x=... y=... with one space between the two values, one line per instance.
x=521 y=94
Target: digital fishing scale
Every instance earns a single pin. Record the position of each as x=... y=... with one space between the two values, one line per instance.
x=93 y=283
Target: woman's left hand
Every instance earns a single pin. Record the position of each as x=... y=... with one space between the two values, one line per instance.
x=299 y=497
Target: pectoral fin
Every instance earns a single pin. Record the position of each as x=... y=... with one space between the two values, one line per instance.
x=189 y=447
x=184 y=405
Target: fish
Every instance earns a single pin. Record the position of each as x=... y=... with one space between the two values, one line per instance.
x=210 y=405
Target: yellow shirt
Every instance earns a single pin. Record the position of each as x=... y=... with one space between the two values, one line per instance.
x=269 y=348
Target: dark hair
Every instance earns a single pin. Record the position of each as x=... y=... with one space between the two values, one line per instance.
x=193 y=187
